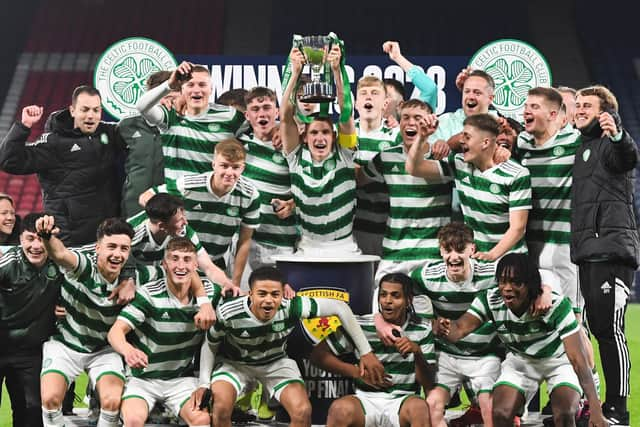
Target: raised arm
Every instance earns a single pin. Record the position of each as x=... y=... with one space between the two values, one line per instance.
x=416 y=164
x=16 y=156
x=149 y=103
x=288 y=126
x=46 y=229
x=333 y=57
x=621 y=155
x=426 y=85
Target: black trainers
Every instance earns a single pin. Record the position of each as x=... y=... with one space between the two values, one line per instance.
x=614 y=417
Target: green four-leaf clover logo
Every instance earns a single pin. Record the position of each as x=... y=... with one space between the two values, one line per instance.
x=132 y=75
x=512 y=81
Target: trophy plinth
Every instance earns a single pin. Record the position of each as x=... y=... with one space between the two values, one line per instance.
x=320 y=88
x=317 y=92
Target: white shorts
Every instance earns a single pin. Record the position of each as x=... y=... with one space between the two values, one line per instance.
x=557 y=260
x=334 y=248
x=381 y=409
x=261 y=255
x=275 y=376
x=525 y=374
x=58 y=358
x=480 y=372
x=171 y=393
x=421 y=303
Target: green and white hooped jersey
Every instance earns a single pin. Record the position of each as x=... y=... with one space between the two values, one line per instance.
x=268 y=170
x=417 y=208
x=188 y=142
x=85 y=297
x=372 y=206
x=145 y=249
x=551 y=169
x=451 y=300
x=324 y=192
x=402 y=370
x=487 y=198
x=214 y=218
x=164 y=330
x=248 y=340
x=535 y=337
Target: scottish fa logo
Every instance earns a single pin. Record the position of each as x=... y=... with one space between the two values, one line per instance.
x=122 y=71
x=515 y=67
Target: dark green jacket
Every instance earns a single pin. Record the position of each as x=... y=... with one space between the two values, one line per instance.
x=144 y=166
x=28 y=296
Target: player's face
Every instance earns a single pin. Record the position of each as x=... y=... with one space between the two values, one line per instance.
x=319 y=138
x=266 y=297
x=570 y=102
x=226 y=172
x=113 y=251
x=197 y=91
x=7 y=217
x=180 y=266
x=371 y=102
x=587 y=109
x=515 y=295
x=539 y=115
x=394 y=101
x=507 y=137
x=33 y=248
x=176 y=224
x=392 y=302
x=476 y=96
x=410 y=119
x=261 y=114
x=474 y=142
x=86 y=113
x=457 y=261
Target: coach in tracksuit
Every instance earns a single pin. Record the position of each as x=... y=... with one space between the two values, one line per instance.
x=604 y=235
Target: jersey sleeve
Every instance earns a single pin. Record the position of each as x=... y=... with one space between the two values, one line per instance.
x=340 y=343
x=480 y=307
x=135 y=313
x=83 y=270
x=561 y=317
x=303 y=308
x=520 y=191
x=251 y=216
x=193 y=237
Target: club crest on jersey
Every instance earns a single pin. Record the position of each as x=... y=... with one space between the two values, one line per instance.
x=233 y=211
x=558 y=151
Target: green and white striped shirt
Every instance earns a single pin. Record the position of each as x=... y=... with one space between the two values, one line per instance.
x=551 y=167
x=251 y=341
x=268 y=170
x=535 y=337
x=417 y=208
x=452 y=299
x=372 y=206
x=401 y=369
x=324 y=192
x=487 y=198
x=188 y=142
x=163 y=328
x=90 y=313
x=214 y=218
x=143 y=246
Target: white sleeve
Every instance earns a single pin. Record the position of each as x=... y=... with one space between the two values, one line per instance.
x=207 y=359
x=148 y=106
x=331 y=307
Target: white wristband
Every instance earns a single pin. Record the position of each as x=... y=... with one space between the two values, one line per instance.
x=202 y=300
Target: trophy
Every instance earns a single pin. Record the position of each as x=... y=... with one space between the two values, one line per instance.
x=320 y=88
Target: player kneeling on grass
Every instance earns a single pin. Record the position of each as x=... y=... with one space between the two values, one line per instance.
x=397 y=402
x=546 y=348
x=254 y=329
x=163 y=339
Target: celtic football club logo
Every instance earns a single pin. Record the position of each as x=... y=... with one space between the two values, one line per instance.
x=122 y=70
x=516 y=67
